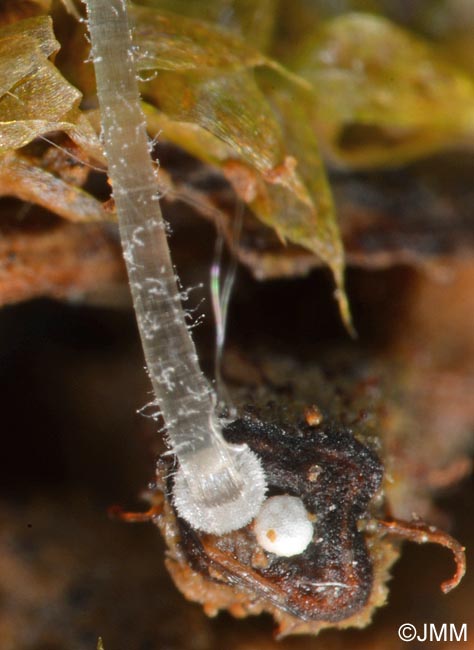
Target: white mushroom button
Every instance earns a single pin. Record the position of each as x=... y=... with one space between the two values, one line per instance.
x=283 y=526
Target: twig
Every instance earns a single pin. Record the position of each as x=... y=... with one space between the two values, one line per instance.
x=422 y=533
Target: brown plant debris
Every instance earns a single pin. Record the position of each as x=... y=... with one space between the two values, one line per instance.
x=340 y=578
x=332 y=456
x=421 y=533
x=45 y=256
x=337 y=581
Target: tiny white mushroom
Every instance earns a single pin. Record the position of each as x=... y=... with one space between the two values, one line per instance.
x=283 y=526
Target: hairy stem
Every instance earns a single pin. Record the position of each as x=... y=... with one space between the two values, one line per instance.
x=214 y=475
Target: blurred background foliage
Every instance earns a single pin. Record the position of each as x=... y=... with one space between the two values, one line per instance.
x=271 y=98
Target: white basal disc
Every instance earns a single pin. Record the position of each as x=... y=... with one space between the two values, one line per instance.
x=222 y=518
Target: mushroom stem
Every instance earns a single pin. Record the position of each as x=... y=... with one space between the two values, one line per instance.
x=214 y=474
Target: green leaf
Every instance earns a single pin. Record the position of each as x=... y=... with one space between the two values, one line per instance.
x=382 y=95
x=312 y=225
x=173 y=42
x=255 y=128
x=251 y=19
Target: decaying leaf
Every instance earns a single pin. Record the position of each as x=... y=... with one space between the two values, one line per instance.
x=334 y=467
x=46 y=256
x=254 y=20
x=29 y=179
x=35 y=99
x=169 y=41
x=13 y=10
x=379 y=96
x=209 y=84
x=265 y=158
x=382 y=95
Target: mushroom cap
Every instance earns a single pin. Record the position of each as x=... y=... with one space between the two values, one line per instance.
x=283 y=526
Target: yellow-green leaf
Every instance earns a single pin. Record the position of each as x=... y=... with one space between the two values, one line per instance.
x=173 y=42
x=212 y=104
x=251 y=19
x=382 y=95
x=35 y=99
x=312 y=225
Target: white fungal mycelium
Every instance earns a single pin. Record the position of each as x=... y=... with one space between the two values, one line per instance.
x=283 y=526
x=219 y=487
